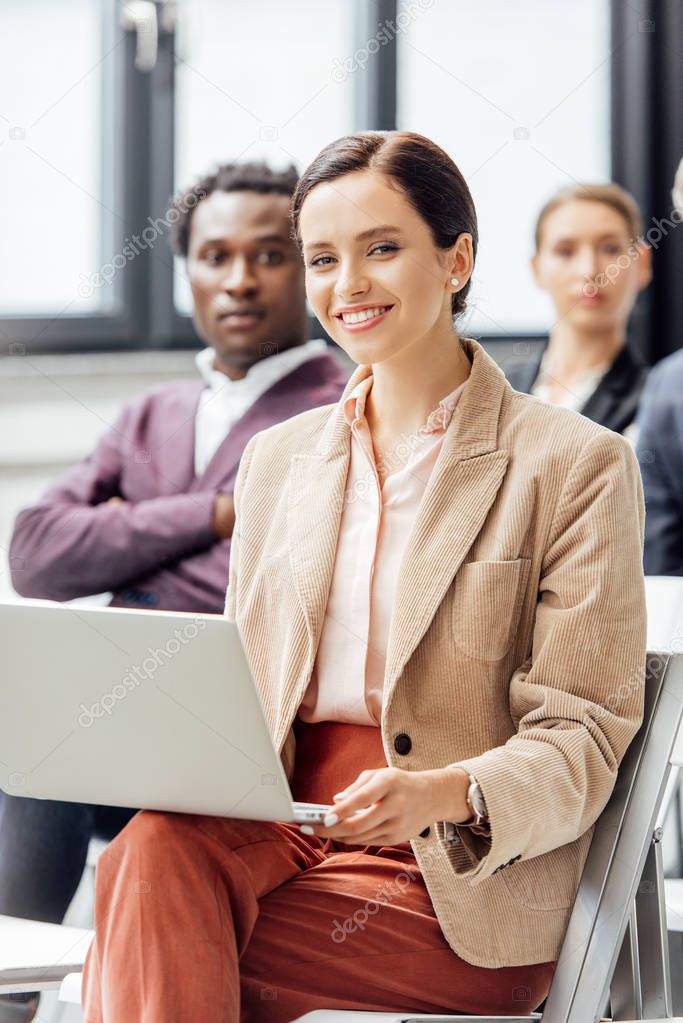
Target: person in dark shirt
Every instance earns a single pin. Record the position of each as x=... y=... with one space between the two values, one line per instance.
x=660 y=452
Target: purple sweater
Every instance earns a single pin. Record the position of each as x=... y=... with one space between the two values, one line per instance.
x=158 y=549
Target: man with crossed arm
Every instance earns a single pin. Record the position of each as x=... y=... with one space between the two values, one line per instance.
x=149 y=514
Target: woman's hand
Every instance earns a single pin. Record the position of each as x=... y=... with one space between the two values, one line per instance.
x=389 y=806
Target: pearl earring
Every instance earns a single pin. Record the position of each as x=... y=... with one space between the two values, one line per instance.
x=455 y=282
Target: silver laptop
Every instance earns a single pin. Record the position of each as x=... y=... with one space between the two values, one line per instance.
x=145 y=709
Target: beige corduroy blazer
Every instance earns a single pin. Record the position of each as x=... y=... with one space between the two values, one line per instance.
x=516 y=649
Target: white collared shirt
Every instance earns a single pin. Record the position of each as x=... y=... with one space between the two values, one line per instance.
x=225 y=401
x=347 y=680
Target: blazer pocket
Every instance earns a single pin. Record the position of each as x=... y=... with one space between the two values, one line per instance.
x=488 y=597
x=549 y=881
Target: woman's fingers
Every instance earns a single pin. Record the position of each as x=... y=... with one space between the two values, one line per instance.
x=368 y=792
x=361 y=830
x=351 y=827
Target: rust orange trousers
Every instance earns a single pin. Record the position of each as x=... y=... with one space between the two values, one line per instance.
x=222 y=920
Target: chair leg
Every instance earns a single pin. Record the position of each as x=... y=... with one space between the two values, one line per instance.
x=626 y=997
x=653 y=943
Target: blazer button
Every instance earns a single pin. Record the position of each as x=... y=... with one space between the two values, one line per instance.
x=403 y=744
x=423 y=834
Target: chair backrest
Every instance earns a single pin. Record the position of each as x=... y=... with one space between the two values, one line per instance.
x=664 y=598
x=621 y=842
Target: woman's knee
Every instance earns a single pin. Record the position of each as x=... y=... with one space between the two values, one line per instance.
x=148 y=830
x=160 y=834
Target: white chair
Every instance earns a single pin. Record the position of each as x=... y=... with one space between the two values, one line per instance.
x=664 y=595
x=62 y=948
x=664 y=598
x=36 y=956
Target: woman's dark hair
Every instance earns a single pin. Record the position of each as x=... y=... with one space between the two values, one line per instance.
x=255 y=176
x=427 y=176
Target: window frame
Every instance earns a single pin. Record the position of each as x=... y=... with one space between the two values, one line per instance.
x=124 y=166
x=138 y=170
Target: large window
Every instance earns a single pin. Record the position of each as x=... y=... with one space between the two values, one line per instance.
x=104 y=118
x=257 y=81
x=518 y=95
x=56 y=201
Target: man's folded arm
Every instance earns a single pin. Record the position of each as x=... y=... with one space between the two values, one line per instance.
x=73 y=542
x=196 y=582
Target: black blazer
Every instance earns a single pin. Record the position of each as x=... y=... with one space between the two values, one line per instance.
x=613 y=403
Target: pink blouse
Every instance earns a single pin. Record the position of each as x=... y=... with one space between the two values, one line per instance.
x=348 y=674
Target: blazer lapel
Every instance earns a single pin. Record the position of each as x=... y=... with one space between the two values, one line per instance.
x=317 y=488
x=175 y=449
x=461 y=489
x=452 y=513
x=315 y=503
x=614 y=402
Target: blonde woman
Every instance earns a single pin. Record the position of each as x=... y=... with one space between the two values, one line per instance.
x=591 y=259
x=438 y=584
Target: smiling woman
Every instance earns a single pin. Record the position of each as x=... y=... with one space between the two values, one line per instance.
x=456 y=596
x=389 y=237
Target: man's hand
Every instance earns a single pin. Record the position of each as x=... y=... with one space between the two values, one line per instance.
x=223 y=516
x=400 y=804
